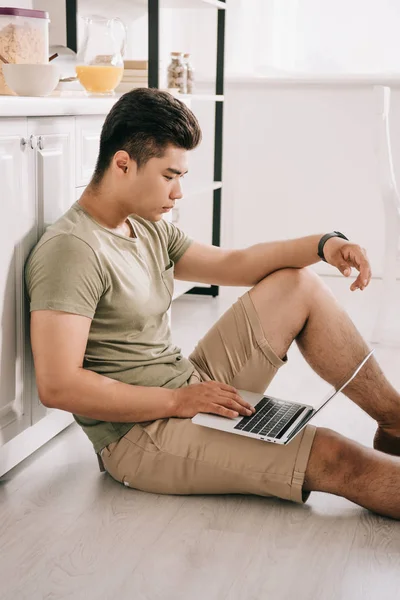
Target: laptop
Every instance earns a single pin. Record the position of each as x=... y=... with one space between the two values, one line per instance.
x=275 y=420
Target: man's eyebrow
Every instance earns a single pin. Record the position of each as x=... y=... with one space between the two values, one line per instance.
x=175 y=171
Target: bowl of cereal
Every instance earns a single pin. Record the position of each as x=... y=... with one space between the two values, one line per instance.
x=31 y=80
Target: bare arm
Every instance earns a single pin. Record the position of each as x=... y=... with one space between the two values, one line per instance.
x=254 y=263
x=245 y=267
x=58 y=343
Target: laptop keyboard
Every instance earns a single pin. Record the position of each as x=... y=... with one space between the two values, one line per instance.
x=272 y=418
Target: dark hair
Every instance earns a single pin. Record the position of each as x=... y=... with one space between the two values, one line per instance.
x=144 y=122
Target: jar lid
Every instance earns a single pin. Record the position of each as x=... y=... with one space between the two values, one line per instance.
x=176 y=53
x=24 y=12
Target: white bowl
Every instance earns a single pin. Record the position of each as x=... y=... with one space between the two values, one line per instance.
x=31 y=80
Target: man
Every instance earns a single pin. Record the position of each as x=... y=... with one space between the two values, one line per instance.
x=100 y=282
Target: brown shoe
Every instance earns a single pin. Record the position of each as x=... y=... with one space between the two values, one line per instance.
x=387 y=443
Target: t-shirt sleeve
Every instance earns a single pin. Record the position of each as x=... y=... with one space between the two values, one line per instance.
x=178 y=241
x=64 y=274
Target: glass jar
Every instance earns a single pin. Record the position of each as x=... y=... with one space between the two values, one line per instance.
x=24 y=38
x=190 y=73
x=100 y=65
x=177 y=73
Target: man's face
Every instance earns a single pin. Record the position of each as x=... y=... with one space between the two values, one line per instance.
x=153 y=190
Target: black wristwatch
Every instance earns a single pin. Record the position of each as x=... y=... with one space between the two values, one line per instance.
x=325 y=238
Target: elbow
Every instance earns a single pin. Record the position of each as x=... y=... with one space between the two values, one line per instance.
x=49 y=395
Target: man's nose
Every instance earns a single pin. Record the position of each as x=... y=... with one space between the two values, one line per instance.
x=176 y=192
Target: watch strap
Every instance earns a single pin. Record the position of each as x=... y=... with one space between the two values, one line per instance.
x=325 y=238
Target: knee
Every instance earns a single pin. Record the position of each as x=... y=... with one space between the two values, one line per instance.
x=334 y=460
x=291 y=280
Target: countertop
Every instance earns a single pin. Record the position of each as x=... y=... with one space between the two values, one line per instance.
x=77 y=103
x=65 y=103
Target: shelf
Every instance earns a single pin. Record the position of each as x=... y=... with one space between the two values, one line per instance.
x=93 y=6
x=217 y=185
x=186 y=3
x=192 y=4
x=201 y=97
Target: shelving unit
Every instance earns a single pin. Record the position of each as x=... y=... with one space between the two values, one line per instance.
x=154 y=36
x=154 y=7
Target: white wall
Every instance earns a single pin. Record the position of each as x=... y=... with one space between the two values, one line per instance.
x=356 y=36
x=329 y=36
x=299 y=161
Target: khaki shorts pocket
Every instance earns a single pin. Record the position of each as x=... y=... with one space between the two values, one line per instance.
x=123 y=462
x=121 y=457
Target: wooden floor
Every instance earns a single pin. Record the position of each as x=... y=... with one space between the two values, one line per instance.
x=69 y=531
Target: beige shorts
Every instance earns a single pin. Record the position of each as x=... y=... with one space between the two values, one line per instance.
x=174 y=456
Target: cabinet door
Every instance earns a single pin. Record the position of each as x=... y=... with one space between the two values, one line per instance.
x=55 y=186
x=88 y=130
x=18 y=234
x=54 y=167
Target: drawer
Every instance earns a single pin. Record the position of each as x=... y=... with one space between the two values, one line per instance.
x=88 y=130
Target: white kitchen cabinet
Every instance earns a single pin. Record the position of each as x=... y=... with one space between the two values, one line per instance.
x=88 y=130
x=54 y=167
x=18 y=232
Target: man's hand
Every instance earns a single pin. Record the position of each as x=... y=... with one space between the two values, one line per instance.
x=344 y=255
x=210 y=397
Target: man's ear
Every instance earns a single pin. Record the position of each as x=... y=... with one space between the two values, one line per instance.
x=123 y=162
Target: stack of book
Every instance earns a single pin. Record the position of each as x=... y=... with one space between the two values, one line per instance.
x=135 y=75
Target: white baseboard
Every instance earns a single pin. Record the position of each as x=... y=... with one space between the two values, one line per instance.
x=24 y=444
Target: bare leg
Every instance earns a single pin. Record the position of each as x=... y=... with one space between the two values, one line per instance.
x=345 y=468
x=295 y=304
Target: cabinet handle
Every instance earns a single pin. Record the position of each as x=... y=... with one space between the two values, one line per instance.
x=32 y=141
x=23 y=142
x=40 y=142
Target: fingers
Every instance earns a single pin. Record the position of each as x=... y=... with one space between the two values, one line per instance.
x=345 y=269
x=236 y=403
x=224 y=386
x=218 y=409
x=364 y=276
x=357 y=258
x=228 y=398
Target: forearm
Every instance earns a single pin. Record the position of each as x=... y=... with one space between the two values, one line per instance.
x=89 y=394
x=250 y=265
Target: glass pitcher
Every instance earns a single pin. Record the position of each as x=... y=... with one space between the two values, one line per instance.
x=99 y=63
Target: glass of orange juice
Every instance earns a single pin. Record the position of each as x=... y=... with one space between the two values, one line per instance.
x=100 y=64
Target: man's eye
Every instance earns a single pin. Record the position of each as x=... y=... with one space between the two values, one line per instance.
x=168 y=178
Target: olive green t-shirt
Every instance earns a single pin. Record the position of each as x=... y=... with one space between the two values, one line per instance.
x=125 y=286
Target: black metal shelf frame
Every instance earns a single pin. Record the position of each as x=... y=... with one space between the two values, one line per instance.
x=154 y=65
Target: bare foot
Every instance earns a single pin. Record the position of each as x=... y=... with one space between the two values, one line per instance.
x=387 y=442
